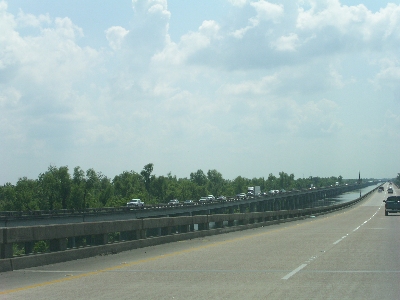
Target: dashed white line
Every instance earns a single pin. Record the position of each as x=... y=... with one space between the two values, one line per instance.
x=286 y=277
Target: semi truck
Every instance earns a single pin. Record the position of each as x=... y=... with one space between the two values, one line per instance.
x=253 y=191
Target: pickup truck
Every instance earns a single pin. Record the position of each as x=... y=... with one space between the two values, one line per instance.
x=135 y=203
x=392 y=205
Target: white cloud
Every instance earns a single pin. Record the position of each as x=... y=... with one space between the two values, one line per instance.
x=115 y=36
x=281 y=76
x=286 y=43
x=267 y=11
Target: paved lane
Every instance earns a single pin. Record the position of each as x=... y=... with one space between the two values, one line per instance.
x=352 y=254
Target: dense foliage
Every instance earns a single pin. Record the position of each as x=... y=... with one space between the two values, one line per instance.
x=397 y=180
x=58 y=189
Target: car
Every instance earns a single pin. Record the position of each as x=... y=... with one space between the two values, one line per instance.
x=221 y=198
x=135 y=203
x=390 y=190
x=381 y=189
x=203 y=200
x=241 y=196
x=211 y=198
x=188 y=202
x=173 y=202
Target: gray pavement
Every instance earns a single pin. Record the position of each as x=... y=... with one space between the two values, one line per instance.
x=351 y=254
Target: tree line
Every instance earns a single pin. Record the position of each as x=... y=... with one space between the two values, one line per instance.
x=57 y=188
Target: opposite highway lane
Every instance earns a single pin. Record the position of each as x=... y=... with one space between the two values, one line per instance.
x=351 y=254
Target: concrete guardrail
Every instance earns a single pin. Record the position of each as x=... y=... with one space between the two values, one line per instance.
x=81 y=240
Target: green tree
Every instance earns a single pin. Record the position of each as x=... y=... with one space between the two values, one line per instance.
x=215 y=182
x=55 y=187
x=240 y=184
x=26 y=197
x=7 y=197
x=159 y=187
x=146 y=174
x=198 y=178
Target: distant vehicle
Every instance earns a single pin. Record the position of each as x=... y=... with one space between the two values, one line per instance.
x=390 y=190
x=135 y=203
x=381 y=189
x=221 y=198
x=241 y=196
x=203 y=200
x=392 y=205
x=211 y=198
x=173 y=202
x=188 y=202
x=253 y=191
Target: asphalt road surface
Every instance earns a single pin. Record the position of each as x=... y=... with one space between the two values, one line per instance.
x=351 y=254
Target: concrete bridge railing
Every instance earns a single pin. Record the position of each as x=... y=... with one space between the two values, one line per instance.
x=81 y=240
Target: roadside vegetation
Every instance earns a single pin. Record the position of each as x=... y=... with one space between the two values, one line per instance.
x=58 y=188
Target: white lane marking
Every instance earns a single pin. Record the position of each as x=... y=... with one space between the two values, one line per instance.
x=365 y=222
x=337 y=242
x=286 y=277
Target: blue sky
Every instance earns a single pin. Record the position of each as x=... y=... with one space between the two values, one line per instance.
x=246 y=87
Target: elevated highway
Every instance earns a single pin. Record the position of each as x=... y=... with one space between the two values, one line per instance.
x=348 y=254
x=285 y=201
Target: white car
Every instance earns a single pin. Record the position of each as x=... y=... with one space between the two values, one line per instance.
x=173 y=202
x=135 y=203
x=211 y=198
x=203 y=200
x=241 y=196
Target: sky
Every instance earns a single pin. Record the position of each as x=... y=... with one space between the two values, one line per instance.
x=246 y=87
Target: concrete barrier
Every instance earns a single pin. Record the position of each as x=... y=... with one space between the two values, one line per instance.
x=134 y=233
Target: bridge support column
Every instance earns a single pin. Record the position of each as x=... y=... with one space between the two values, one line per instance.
x=204 y=226
x=71 y=242
x=101 y=239
x=219 y=224
x=128 y=235
x=6 y=251
x=141 y=234
x=185 y=228
x=28 y=247
x=89 y=240
x=58 y=245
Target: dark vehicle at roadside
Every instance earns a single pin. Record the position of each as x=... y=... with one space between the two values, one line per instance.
x=381 y=189
x=392 y=205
